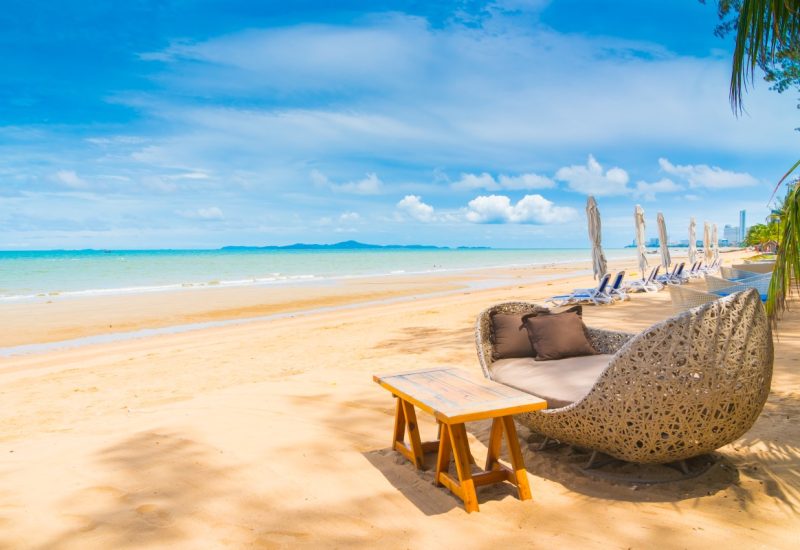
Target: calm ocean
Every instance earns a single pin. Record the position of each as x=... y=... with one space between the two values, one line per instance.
x=31 y=274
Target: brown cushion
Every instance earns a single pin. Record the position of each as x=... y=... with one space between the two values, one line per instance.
x=510 y=338
x=558 y=335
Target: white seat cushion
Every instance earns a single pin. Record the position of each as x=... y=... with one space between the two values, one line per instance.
x=560 y=382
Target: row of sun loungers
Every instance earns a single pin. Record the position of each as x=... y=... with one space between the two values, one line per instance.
x=608 y=291
x=605 y=293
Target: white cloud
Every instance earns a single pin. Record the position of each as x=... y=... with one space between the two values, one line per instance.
x=210 y=213
x=476 y=181
x=709 y=177
x=70 y=178
x=413 y=206
x=533 y=209
x=488 y=182
x=592 y=180
x=648 y=190
x=370 y=185
x=349 y=217
x=526 y=181
x=190 y=176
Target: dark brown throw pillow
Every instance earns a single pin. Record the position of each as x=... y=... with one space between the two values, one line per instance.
x=557 y=336
x=576 y=309
x=510 y=337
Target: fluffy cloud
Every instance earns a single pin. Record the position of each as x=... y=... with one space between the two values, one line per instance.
x=533 y=209
x=488 y=182
x=413 y=206
x=592 y=180
x=709 y=177
x=370 y=185
x=648 y=190
x=70 y=178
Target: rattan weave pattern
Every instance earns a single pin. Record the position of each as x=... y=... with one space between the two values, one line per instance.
x=681 y=388
x=684 y=298
x=734 y=273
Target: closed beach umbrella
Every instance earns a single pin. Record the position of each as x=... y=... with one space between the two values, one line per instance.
x=638 y=218
x=599 y=266
x=692 y=241
x=715 y=241
x=707 y=252
x=662 y=241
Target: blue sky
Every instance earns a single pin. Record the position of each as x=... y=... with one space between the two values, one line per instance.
x=152 y=124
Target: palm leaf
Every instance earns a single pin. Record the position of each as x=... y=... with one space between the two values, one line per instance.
x=763 y=27
x=787 y=260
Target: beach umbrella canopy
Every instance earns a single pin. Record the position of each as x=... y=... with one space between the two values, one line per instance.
x=599 y=266
x=663 y=242
x=638 y=219
x=707 y=252
x=692 y=241
x=715 y=241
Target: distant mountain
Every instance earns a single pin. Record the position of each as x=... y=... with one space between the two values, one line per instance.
x=351 y=245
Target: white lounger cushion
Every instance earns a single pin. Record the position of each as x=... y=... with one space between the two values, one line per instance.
x=560 y=382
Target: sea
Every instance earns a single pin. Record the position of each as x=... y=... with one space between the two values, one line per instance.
x=35 y=274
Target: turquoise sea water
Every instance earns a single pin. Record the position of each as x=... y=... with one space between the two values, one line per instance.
x=85 y=272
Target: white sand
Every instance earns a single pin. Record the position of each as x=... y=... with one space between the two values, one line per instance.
x=272 y=434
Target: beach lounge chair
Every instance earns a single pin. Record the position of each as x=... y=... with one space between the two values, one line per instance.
x=673 y=278
x=615 y=290
x=650 y=284
x=713 y=267
x=682 y=388
x=594 y=296
x=695 y=271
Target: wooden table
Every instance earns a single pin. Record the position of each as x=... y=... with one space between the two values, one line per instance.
x=454 y=397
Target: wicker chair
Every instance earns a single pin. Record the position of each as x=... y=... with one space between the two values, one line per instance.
x=756 y=267
x=681 y=388
x=732 y=273
x=684 y=298
x=759 y=282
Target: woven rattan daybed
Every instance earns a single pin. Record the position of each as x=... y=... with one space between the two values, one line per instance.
x=680 y=389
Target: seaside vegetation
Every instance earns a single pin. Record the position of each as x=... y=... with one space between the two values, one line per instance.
x=768 y=37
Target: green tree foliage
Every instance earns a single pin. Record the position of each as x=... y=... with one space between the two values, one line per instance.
x=768 y=36
x=761 y=234
x=781 y=67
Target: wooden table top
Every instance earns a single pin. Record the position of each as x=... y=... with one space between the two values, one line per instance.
x=454 y=396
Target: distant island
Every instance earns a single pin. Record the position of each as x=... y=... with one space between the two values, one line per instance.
x=353 y=245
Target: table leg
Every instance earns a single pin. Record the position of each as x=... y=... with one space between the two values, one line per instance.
x=413 y=434
x=445 y=453
x=495 y=440
x=517 y=463
x=405 y=419
x=461 y=454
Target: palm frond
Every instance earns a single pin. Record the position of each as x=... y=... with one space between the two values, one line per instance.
x=764 y=26
x=786 y=175
x=787 y=260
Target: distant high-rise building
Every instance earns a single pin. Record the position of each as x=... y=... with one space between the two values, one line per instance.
x=742 y=226
x=731 y=234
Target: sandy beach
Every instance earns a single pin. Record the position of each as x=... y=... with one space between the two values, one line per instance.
x=270 y=433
